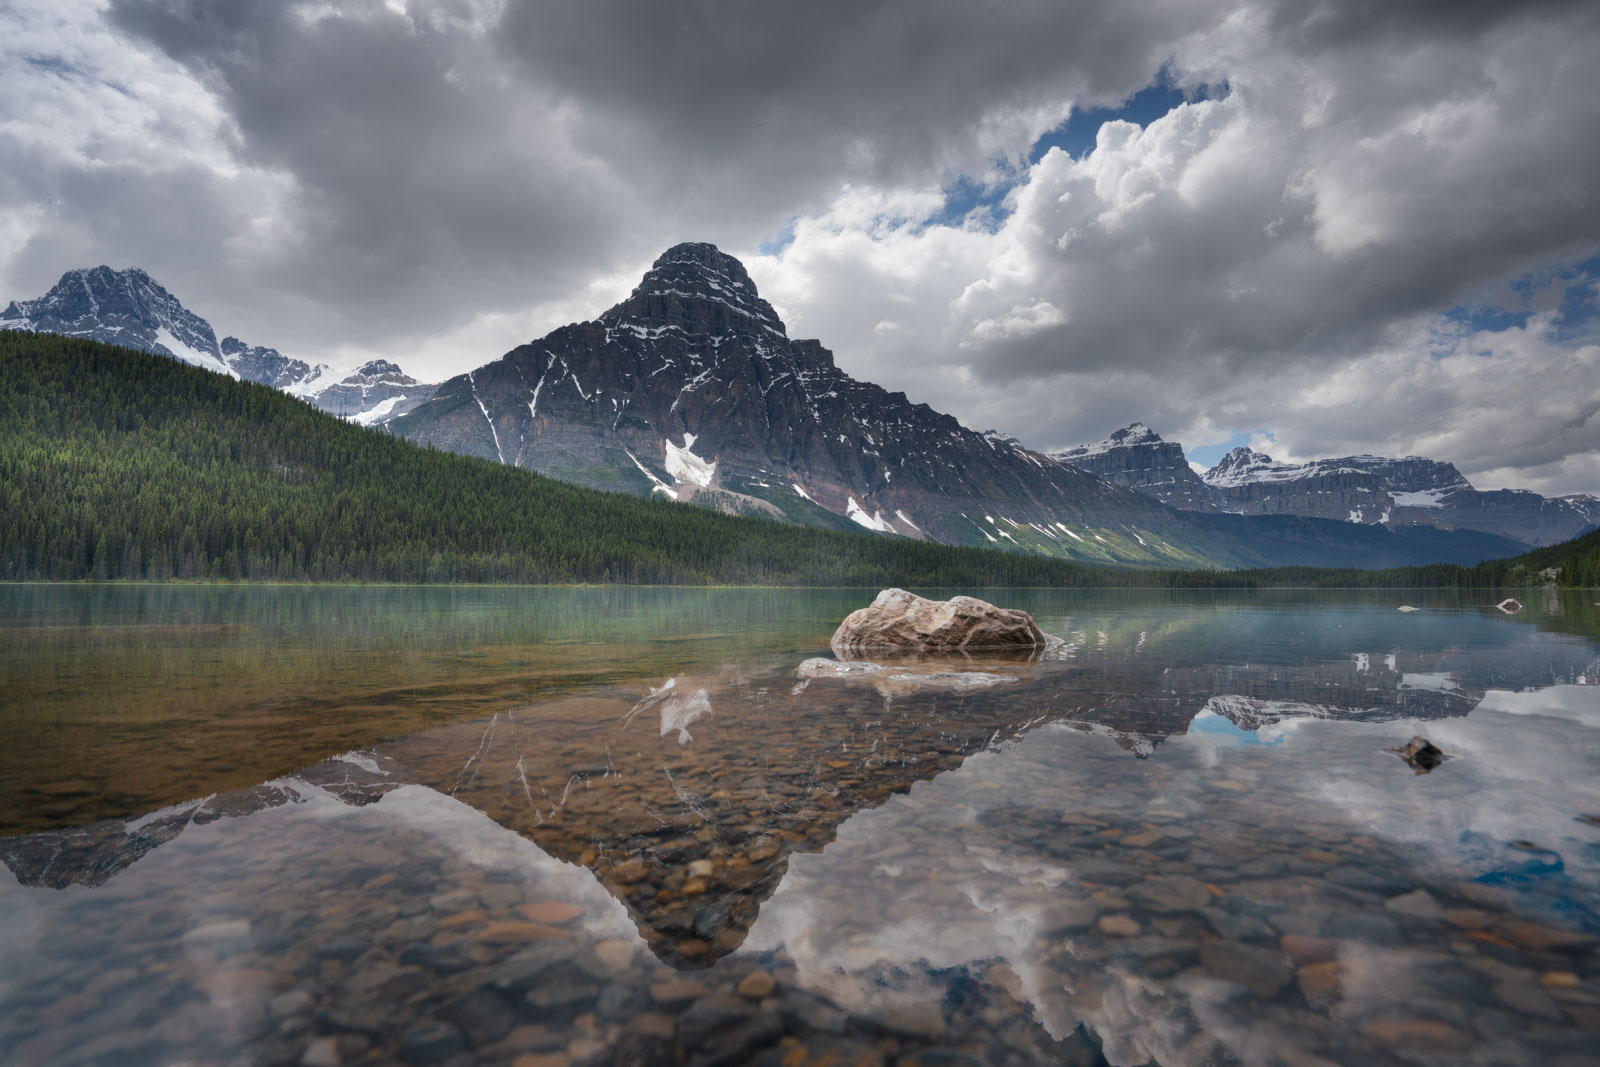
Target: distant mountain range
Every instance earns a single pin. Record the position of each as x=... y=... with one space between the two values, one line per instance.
x=1371 y=490
x=130 y=308
x=691 y=389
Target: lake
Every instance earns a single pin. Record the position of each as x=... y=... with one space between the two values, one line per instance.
x=541 y=827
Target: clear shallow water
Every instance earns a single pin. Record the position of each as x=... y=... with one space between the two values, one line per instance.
x=378 y=825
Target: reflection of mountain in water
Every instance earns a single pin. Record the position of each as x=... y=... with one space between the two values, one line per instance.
x=92 y=855
x=687 y=804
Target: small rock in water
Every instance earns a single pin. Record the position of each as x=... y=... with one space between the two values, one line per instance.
x=901 y=620
x=1406 y=607
x=1418 y=904
x=1510 y=605
x=1118 y=926
x=757 y=984
x=430 y=1042
x=322 y=1052
x=1420 y=753
x=1262 y=971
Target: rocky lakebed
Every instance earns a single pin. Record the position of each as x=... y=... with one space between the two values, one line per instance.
x=1179 y=833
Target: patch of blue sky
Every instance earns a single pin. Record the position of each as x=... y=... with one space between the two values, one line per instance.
x=1076 y=137
x=54 y=64
x=970 y=202
x=1208 y=455
x=1573 y=290
x=1210 y=724
x=774 y=246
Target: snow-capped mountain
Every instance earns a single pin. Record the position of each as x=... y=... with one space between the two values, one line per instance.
x=377 y=392
x=1406 y=492
x=132 y=309
x=1247 y=482
x=1136 y=456
x=692 y=389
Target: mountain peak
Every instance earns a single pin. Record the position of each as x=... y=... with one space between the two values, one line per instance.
x=706 y=255
x=699 y=289
x=1135 y=433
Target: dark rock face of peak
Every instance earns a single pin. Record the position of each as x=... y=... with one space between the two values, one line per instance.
x=699 y=290
x=375 y=367
x=125 y=307
x=257 y=363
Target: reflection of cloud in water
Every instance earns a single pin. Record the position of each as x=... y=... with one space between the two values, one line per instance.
x=941 y=878
x=678 y=709
x=1435 y=681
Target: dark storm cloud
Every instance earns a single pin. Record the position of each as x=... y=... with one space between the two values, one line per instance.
x=419 y=190
x=792 y=93
x=381 y=174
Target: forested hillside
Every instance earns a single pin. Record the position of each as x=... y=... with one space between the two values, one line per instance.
x=116 y=464
x=119 y=464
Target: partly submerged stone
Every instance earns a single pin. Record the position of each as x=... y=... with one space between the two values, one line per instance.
x=902 y=621
x=1421 y=754
x=1510 y=605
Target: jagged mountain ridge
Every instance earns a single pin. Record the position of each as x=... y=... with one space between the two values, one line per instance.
x=131 y=309
x=1398 y=493
x=692 y=388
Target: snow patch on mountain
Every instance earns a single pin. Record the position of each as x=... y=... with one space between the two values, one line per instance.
x=1427 y=498
x=377 y=414
x=685 y=466
x=657 y=485
x=858 y=515
x=1136 y=433
x=168 y=340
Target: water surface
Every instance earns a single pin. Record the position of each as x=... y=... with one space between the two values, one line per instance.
x=540 y=826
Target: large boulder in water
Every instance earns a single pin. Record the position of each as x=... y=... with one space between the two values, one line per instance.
x=904 y=622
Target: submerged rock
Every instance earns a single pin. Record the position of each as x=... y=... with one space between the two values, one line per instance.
x=1510 y=605
x=898 y=620
x=1421 y=754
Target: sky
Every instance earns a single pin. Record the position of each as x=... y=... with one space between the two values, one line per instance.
x=1324 y=226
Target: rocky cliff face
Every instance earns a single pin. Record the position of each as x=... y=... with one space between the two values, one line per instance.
x=1253 y=483
x=1515 y=513
x=1401 y=494
x=1136 y=456
x=132 y=309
